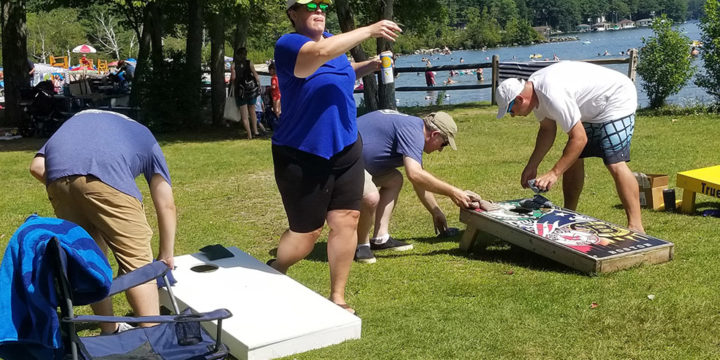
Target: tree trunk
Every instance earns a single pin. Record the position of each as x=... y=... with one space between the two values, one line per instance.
x=241 y=30
x=386 y=93
x=14 y=47
x=217 y=67
x=193 y=60
x=347 y=23
x=156 y=34
x=194 y=34
x=141 y=69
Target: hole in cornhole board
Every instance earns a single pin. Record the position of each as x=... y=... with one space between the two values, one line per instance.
x=204 y=268
x=521 y=210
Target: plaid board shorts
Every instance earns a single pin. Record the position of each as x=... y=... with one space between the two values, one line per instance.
x=609 y=140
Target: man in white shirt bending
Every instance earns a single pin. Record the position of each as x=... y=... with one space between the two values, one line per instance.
x=596 y=107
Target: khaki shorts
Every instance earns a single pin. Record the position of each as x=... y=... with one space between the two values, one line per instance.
x=114 y=219
x=373 y=182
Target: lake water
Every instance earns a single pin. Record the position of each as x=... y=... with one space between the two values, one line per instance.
x=589 y=46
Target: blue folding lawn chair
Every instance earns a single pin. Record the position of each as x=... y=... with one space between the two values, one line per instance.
x=62 y=282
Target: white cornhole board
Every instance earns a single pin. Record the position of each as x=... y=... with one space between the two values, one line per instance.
x=273 y=315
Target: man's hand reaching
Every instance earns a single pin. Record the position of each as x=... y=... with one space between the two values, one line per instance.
x=477 y=202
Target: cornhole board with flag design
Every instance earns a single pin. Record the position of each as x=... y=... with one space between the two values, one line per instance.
x=273 y=315
x=579 y=241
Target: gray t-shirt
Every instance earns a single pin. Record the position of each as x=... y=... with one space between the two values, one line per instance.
x=388 y=136
x=107 y=145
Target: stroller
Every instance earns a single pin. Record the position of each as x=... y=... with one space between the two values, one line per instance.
x=269 y=119
x=43 y=112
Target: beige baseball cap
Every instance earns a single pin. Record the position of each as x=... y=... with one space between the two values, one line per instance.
x=506 y=92
x=290 y=3
x=445 y=123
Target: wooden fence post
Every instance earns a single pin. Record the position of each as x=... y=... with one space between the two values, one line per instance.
x=632 y=64
x=495 y=73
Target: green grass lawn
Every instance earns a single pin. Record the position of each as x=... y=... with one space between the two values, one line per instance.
x=436 y=302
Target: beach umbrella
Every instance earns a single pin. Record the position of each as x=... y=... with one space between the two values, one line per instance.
x=84 y=49
x=114 y=63
x=228 y=59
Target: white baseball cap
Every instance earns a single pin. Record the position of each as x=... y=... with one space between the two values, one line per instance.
x=290 y=3
x=508 y=90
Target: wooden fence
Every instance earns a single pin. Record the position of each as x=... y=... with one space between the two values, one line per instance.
x=504 y=70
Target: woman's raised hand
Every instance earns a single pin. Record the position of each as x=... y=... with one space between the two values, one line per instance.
x=386 y=29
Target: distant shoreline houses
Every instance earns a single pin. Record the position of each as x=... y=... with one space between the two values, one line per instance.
x=602 y=25
x=599 y=24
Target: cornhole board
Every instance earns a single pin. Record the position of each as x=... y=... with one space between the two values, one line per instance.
x=579 y=241
x=705 y=181
x=273 y=315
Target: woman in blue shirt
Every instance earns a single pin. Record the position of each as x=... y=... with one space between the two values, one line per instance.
x=316 y=152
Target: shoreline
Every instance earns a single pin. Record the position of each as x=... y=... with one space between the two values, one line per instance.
x=439 y=51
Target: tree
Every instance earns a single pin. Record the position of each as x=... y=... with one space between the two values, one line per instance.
x=106 y=33
x=15 y=67
x=664 y=63
x=482 y=29
x=675 y=9
x=54 y=33
x=386 y=93
x=710 y=25
x=144 y=44
x=217 y=64
x=520 y=32
x=347 y=23
x=619 y=10
x=156 y=32
x=193 y=59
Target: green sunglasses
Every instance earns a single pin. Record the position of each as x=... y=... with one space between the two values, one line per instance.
x=312 y=7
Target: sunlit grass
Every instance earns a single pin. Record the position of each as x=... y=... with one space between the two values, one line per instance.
x=436 y=301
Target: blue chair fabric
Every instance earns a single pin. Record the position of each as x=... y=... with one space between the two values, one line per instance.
x=58 y=261
x=28 y=316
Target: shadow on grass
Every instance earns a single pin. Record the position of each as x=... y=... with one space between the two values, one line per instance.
x=23 y=144
x=512 y=256
x=699 y=208
x=207 y=134
x=435 y=239
x=210 y=133
x=201 y=135
x=499 y=252
x=319 y=252
x=425 y=109
x=517 y=256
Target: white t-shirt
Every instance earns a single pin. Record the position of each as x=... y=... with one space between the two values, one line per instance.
x=572 y=91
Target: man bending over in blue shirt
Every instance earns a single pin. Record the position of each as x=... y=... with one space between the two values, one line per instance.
x=392 y=140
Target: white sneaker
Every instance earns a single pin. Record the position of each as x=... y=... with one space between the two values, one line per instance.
x=121 y=327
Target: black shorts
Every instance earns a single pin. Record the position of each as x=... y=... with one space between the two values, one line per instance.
x=311 y=186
